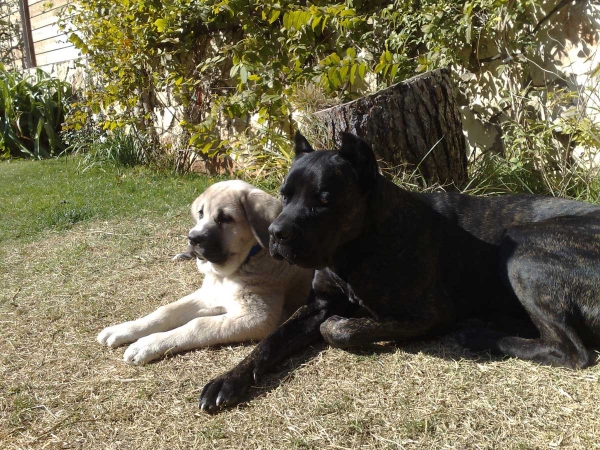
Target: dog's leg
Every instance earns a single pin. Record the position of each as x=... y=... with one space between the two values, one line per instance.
x=297 y=333
x=164 y=318
x=200 y=332
x=340 y=332
x=559 y=347
x=552 y=269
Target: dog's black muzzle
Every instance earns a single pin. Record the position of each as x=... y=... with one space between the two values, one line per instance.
x=203 y=246
x=288 y=242
x=281 y=236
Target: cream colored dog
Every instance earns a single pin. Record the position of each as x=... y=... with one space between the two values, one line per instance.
x=245 y=295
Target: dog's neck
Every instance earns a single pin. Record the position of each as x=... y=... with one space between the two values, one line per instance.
x=253 y=251
x=390 y=215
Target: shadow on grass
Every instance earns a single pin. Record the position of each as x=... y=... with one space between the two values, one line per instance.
x=444 y=347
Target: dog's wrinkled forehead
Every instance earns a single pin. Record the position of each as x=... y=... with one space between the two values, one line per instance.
x=320 y=170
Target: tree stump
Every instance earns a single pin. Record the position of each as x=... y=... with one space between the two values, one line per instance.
x=414 y=125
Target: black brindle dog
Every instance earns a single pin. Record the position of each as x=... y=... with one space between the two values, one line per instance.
x=396 y=265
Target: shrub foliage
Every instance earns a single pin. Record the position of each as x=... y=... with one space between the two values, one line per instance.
x=225 y=61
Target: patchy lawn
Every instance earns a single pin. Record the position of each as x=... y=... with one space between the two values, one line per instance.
x=63 y=281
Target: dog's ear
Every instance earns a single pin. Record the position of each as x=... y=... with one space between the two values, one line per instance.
x=358 y=153
x=301 y=145
x=261 y=209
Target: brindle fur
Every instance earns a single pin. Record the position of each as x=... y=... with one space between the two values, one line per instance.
x=397 y=265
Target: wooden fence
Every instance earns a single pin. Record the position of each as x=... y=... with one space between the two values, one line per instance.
x=44 y=43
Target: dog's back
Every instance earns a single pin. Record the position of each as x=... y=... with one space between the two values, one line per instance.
x=487 y=218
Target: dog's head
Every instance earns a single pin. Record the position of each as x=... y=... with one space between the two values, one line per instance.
x=231 y=217
x=324 y=199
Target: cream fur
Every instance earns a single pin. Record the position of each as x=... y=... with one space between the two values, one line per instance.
x=237 y=302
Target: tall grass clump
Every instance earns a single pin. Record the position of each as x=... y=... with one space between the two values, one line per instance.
x=120 y=147
x=32 y=110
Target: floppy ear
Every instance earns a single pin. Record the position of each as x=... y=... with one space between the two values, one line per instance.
x=261 y=209
x=301 y=145
x=358 y=153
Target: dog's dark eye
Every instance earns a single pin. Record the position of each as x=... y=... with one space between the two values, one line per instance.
x=284 y=198
x=201 y=213
x=223 y=218
x=324 y=198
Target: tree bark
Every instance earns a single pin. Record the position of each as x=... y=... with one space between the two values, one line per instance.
x=413 y=124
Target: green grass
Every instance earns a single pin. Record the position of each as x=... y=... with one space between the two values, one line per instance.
x=53 y=195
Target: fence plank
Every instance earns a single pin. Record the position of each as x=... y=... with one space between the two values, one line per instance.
x=45 y=19
x=51 y=44
x=47 y=32
x=58 y=56
x=40 y=7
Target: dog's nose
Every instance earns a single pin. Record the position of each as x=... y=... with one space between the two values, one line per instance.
x=279 y=232
x=196 y=237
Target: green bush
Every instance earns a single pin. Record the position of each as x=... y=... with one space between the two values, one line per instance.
x=227 y=61
x=32 y=110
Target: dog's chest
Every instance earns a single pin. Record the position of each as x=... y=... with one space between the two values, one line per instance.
x=349 y=292
x=222 y=292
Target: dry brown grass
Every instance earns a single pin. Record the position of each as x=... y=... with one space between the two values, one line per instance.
x=60 y=389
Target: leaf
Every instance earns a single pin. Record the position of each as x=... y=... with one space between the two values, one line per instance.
x=160 y=24
x=274 y=15
x=344 y=73
x=299 y=20
x=323 y=23
x=244 y=74
x=315 y=22
x=353 y=73
x=334 y=77
x=361 y=70
x=286 y=21
x=78 y=43
x=36 y=138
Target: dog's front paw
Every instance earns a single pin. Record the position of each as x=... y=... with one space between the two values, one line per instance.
x=225 y=390
x=143 y=351
x=186 y=256
x=116 y=335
